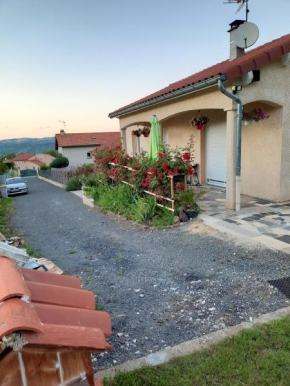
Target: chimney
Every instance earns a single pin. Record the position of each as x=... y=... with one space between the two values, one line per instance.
x=235 y=51
x=62 y=132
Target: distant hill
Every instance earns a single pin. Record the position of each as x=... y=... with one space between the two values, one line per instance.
x=26 y=145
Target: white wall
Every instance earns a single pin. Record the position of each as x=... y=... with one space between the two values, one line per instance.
x=77 y=155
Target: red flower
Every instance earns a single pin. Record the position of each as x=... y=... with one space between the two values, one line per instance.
x=154 y=170
x=160 y=175
x=146 y=172
x=190 y=170
x=110 y=159
x=165 y=166
x=186 y=156
x=160 y=155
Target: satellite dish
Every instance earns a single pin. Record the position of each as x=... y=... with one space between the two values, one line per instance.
x=246 y=35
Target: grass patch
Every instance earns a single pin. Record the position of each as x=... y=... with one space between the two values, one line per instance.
x=6 y=210
x=72 y=251
x=260 y=356
x=122 y=199
x=32 y=252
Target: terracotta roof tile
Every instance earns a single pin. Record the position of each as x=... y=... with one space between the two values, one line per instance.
x=93 y=338
x=17 y=315
x=22 y=157
x=12 y=283
x=50 y=278
x=70 y=316
x=60 y=312
x=232 y=69
x=88 y=139
x=69 y=297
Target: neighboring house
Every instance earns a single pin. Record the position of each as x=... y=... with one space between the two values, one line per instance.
x=31 y=161
x=77 y=147
x=264 y=74
x=48 y=328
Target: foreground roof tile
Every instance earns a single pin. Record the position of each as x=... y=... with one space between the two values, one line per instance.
x=59 y=314
x=68 y=297
x=12 y=283
x=50 y=278
x=91 y=338
x=17 y=315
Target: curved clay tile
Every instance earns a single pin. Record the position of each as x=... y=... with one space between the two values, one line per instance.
x=62 y=296
x=69 y=316
x=17 y=315
x=12 y=283
x=50 y=278
x=69 y=336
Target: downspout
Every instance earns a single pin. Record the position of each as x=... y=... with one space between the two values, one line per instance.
x=239 y=139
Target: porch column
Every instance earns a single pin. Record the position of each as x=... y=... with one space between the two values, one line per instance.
x=231 y=156
x=124 y=139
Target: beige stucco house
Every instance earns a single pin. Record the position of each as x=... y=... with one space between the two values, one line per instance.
x=264 y=74
x=78 y=147
x=31 y=161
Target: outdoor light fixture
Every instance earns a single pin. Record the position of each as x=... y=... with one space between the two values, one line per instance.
x=237 y=88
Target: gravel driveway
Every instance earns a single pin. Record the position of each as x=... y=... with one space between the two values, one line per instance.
x=161 y=287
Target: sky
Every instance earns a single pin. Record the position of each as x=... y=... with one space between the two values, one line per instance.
x=78 y=60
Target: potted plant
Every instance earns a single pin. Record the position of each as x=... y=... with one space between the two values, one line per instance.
x=146 y=132
x=255 y=115
x=199 y=122
x=137 y=132
x=188 y=202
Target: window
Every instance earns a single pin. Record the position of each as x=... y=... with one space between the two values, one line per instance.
x=89 y=155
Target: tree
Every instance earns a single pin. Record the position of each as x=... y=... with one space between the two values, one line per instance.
x=3 y=168
x=52 y=152
x=9 y=155
x=59 y=162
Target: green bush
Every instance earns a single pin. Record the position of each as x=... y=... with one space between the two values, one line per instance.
x=4 y=168
x=73 y=183
x=52 y=152
x=59 y=162
x=91 y=181
x=143 y=209
x=45 y=167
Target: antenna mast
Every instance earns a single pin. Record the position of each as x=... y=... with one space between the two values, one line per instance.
x=242 y=3
x=64 y=124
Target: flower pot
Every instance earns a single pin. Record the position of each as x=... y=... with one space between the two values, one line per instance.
x=146 y=135
x=199 y=127
x=248 y=123
x=191 y=213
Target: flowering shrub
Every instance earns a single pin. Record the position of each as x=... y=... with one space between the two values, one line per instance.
x=144 y=173
x=255 y=115
x=82 y=171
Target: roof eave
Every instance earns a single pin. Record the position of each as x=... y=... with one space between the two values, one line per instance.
x=172 y=95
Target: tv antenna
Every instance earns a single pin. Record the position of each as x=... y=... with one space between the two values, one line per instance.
x=241 y=3
x=64 y=125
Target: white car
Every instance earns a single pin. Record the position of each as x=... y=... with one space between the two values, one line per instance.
x=16 y=185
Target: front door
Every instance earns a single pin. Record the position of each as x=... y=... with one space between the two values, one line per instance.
x=216 y=154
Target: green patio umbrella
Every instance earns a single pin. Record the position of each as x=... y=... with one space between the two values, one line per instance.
x=154 y=138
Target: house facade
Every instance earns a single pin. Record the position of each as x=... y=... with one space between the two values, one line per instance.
x=264 y=76
x=78 y=147
x=31 y=161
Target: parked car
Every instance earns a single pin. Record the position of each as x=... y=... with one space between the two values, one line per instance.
x=16 y=185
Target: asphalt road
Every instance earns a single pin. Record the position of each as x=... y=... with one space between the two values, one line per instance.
x=161 y=287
